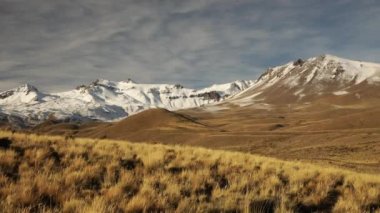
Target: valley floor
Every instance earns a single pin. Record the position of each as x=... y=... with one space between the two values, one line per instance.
x=54 y=174
x=347 y=137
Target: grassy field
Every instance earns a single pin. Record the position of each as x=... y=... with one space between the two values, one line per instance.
x=347 y=137
x=57 y=174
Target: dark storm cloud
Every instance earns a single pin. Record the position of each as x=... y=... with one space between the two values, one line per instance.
x=59 y=44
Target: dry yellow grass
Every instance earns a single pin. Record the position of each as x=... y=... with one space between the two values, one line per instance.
x=348 y=137
x=54 y=174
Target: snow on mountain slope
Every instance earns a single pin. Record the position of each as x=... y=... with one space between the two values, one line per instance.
x=108 y=100
x=316 y=77
x=23 y=94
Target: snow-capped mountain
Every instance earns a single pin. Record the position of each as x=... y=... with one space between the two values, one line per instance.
x=322 y=76
x=327 y=78
x=107 y=100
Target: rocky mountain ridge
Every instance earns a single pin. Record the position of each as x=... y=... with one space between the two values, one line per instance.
x=107 y=100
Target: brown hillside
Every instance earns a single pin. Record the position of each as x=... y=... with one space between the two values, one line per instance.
x=343 y=135
x=146 y=126
x=55 y=127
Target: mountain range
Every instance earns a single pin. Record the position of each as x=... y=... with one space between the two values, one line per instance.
x=106 y=100
x=324 y=78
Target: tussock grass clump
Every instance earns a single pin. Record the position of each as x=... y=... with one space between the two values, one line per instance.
x=56 y=174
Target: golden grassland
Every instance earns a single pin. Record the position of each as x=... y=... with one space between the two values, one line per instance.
x=57 y=174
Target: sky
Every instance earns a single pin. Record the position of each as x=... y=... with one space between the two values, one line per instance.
x=57 y=45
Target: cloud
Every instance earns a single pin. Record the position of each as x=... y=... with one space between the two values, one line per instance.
x=59 y=44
